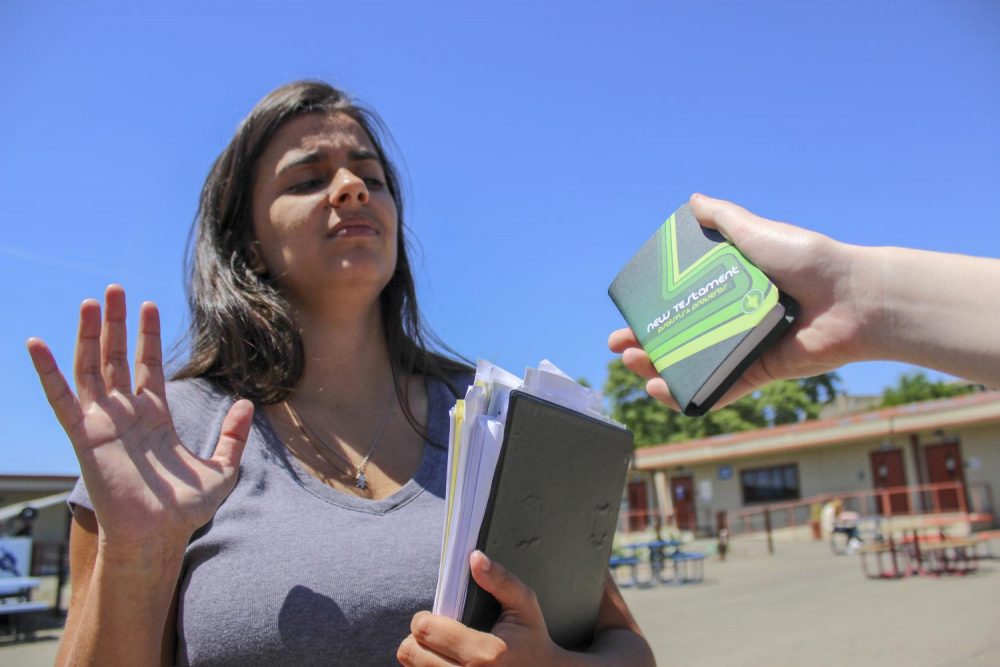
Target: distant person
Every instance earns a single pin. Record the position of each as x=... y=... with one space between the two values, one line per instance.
x=834 y=520
x=828 y=516
x=282 y=500
x=932 y=309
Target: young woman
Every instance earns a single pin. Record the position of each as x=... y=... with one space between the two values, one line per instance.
x=281 y=500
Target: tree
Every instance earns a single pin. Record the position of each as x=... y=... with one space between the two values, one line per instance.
x=781 y=402
x=916 y=386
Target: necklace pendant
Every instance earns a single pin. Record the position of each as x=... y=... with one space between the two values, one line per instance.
x=361 y=481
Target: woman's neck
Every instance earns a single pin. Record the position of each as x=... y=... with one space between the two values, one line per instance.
x=347 y=363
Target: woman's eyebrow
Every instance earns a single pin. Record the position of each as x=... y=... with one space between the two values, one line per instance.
x=315 y=156
x=300 y=159
x=360 y=154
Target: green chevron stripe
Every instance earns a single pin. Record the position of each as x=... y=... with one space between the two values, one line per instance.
x=672 y=273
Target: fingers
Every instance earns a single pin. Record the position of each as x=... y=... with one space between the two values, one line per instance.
x=233 y=439
x=634 y=357
x=621 y=340
x=87 y=359
x=412 y=654
x=657 y=388
x=637 y=361
x=149 y=352
x=114 y=345
x=516 y=598
x=64 y=403
x=450 y=642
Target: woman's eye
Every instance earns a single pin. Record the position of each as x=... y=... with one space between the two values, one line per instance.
x=306 y=185
x=372 y=182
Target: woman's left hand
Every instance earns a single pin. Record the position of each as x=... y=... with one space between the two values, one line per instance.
x=519 y=636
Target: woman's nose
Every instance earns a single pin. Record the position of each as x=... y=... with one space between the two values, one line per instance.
x=348 y=189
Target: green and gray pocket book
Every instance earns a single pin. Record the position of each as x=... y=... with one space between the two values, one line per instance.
x=701 y=310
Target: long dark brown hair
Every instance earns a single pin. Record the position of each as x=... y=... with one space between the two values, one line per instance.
x=242 y=336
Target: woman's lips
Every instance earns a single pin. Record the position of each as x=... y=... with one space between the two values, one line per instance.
x=348 y=228
x=353 y=230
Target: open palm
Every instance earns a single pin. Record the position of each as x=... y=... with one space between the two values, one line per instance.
x=144 y=483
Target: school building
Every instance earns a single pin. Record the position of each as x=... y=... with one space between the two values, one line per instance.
x=921 y=458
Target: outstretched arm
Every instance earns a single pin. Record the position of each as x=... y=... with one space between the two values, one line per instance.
x=857 y=303
x=149 y=492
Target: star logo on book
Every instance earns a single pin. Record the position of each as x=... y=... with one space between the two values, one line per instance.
x=752 y=301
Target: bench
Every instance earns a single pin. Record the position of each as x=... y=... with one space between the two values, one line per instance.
x=983 y=547
x=932 y=555
x=948 y=555
x=632 y=562
x=23 y=607
x=689 y=566
x=876 y=550
x=12 y=613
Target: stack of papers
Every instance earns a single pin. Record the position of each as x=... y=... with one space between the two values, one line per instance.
x=475 y=439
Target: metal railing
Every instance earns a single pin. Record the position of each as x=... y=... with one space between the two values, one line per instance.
x=940 y=498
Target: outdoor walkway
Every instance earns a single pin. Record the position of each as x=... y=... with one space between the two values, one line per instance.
x=806 y=607
x=802 y=607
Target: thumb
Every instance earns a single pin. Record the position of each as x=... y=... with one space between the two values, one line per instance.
x=516 y=598
x=771 y=245
x=233 y=438
x=733 y=221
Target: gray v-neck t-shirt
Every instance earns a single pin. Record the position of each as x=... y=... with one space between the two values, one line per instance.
x=292 y=572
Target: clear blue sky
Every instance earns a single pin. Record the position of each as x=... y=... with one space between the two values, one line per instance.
x=542 y=141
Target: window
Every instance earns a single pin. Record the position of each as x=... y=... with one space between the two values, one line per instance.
x=770 y=484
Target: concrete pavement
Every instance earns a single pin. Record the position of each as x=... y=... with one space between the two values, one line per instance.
x=805 y=606
x=802 y=606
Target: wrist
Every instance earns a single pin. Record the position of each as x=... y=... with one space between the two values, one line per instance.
x=147 y=576
x=139 y=557
x=126 y=605
x=872 y=302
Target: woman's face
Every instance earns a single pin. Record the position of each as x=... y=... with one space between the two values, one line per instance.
x=323 y=218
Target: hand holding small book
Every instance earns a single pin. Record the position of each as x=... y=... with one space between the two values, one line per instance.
x=857 y=303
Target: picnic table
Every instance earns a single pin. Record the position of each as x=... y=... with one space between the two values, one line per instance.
x=17 y=587
x=668 y=563
x=911 y=554
x=16 y=602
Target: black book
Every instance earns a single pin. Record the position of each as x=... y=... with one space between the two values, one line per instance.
x=552 y=513
x=701 y=310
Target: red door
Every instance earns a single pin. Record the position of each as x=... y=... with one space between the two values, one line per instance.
x=944 y=464
x=682 y=493
x=638 y=506
x=888 y=472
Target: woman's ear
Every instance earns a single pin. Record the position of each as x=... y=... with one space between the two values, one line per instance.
x=254 y=259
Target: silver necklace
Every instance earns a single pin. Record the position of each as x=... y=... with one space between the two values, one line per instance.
x=357 y=471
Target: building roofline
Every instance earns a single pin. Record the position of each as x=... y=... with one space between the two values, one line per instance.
x=42 y=478
x=11 y=511
x=899 y=420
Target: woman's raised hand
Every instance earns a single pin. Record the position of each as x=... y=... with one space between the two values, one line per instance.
x=147 y=488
